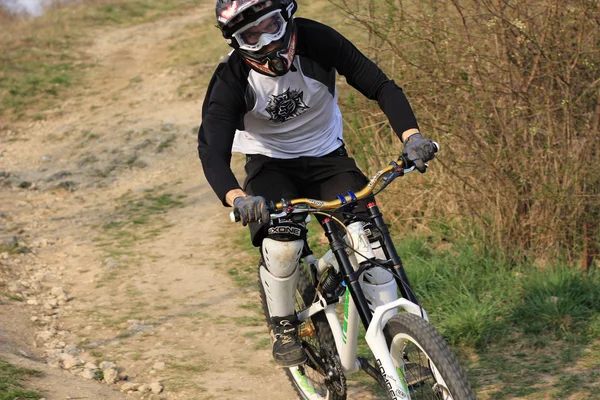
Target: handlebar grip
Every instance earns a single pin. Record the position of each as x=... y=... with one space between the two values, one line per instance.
x=234 y=216
x=437 y=146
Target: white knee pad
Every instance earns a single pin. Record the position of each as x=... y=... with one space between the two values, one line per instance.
x=281 y=258
x=280 y=293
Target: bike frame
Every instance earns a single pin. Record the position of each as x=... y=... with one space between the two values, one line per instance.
x=356 y=307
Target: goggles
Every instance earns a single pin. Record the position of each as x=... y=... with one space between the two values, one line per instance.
x=268 y=28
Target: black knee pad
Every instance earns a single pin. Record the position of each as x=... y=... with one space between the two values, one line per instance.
x=286 y=230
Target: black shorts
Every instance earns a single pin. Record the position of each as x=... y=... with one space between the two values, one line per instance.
x=321 y=178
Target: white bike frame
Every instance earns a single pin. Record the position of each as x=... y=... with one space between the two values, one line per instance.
x=346 y=336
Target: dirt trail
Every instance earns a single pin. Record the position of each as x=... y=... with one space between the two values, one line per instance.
x=129 y=246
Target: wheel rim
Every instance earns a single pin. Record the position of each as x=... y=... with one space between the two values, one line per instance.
x=310 y=381
x=304 y=382
x=421 y=375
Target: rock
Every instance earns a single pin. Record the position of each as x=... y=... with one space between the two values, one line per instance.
x=91 y=365
x=110 y=264
x=130 y=386
x=110 y=375
x=144 y=189
x=137 y=328
x=88 y=373
x=59 y=293
x=50 y=304
x=159 y=366
x=87 y=160
x=156 y=387
x=106 y=365
x=45 y=335
x=138 y=163
x=144 y=388
x=70 y=186
x=8 y=240
x=71 y=349
x=68 y=361
x=143 y=144
x=59 y=175
x=53 y=361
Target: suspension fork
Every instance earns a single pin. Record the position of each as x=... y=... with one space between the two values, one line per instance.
x=391 y=253
x=338 y=247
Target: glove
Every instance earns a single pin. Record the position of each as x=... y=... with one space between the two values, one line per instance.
x=418 y=151
x=252 y=209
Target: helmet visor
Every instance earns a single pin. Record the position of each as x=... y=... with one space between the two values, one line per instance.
x=269 y=28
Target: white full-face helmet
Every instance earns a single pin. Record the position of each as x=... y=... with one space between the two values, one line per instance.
x=251 y=26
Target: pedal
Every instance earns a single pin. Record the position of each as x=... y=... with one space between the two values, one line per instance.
x=307 y=329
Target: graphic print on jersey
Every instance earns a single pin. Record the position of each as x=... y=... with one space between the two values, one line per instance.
x=286 y=106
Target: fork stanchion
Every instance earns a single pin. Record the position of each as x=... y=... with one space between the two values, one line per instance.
x=339 y=250
x=391 y=252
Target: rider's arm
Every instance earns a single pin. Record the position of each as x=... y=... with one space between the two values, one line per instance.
x=234 y=194
x=222 y=111
x=407 y=133
x=328 y=47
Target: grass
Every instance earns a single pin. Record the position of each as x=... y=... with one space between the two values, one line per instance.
x=512 y=325
x=243 y=267
x=198 y=49
x=477 y=298
x=42 y=59
x=519 y=331
x=249 y=321
x=16 y=249
x=11 y=382
x=135 y=219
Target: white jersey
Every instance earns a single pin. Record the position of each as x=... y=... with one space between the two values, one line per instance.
x=293 y=116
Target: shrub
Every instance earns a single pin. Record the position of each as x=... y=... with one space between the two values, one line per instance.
x=510 y=89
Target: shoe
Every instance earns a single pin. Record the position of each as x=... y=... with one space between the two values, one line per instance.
x=287 y=348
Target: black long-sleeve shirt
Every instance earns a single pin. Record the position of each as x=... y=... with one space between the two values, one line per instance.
x=290 y=116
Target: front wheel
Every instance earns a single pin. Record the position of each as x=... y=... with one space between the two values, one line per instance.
x=421 y=355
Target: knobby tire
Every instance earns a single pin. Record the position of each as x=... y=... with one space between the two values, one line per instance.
x=423 y=345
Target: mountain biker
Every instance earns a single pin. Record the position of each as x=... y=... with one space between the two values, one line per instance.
x=274 y=99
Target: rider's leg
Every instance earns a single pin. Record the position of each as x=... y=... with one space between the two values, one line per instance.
x=281 y=247
x=279 y=277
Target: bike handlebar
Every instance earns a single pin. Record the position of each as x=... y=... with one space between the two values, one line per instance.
x=283 y=208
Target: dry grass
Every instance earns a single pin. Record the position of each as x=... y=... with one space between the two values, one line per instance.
x=5 y=16
x=511 y=92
